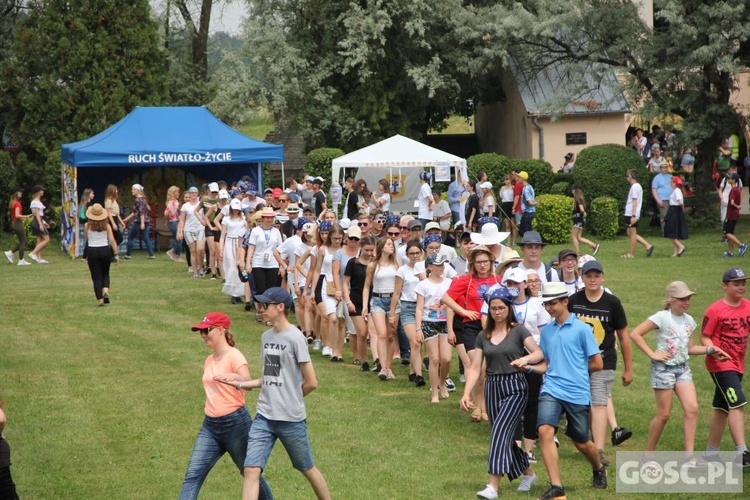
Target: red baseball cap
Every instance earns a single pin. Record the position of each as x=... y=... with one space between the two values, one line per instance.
x=213 y=319
x=277 y=192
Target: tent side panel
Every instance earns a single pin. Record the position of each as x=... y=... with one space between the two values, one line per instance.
x=68 y=218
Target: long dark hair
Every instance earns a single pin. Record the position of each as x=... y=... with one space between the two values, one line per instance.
x=510 y=321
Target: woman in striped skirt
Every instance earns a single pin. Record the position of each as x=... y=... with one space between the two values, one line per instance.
x=505 y=391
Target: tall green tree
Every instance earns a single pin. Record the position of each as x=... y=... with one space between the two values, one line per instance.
x=346 y=73
x=687 y=64
x=78 y=67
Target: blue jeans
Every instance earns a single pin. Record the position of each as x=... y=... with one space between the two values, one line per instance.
x=526 y=219
x=176 y=245
x=293 y=436
x=404 y=348
x=134 y=232
x=219 y=435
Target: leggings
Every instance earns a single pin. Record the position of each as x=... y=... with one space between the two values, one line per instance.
x=99 y=260
x=20 y=231
x=265 y=278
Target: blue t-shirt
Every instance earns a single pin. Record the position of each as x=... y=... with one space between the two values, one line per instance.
x=662 y=186
x=527 y=195
x=567 y=349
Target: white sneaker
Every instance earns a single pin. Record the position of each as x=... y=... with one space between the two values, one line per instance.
x=557 y=442
x=42 y=261
x=9 y=254
x=327 y=351
x=489 y=493
x=34 y=257
x=527 y=482
x=24 y=262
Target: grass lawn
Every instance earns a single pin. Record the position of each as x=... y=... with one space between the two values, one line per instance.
x=257 y=127
x=106 y=402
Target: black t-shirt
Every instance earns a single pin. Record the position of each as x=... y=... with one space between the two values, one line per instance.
x=357 y=273
x=473 y=202
x=318 y=200
x=351 y=205
x=604 y=316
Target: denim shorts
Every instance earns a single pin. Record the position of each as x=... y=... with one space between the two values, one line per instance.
x=550 y=410
x=601 y=386
x=408 y=313
x=293 y=435
x=382 y=305
x=667 y=376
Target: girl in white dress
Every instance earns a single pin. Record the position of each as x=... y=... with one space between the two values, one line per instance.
x=232 y=230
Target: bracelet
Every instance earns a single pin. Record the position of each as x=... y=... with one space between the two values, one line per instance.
x=709 y=350
x=529 y=370
x=239 y=385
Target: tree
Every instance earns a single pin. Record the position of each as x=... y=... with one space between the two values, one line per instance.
x=686 y=65
x=78 y=67
x=348 y=73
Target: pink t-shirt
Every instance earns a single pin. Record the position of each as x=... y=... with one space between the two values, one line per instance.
x=222 y=399
x=728 y=328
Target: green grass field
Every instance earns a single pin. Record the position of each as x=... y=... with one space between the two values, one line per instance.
x=106 y=402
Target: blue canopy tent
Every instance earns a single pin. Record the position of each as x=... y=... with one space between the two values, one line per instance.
x=157 y=146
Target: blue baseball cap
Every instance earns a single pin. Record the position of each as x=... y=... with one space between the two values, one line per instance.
x=734 y=274
x=275 y=295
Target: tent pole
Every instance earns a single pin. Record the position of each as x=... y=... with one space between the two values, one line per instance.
x=283 y=180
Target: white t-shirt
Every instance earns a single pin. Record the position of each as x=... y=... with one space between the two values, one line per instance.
x=192 y=222
x=410 y=278
x=675 y=198
x=264 y=241
x=235 y=227
x=635 y=193
x=434 y=310
x=441 y=210
x=506 y=194
x=39 y=206
x=425 y=192
x=384 y=279
x=298 y=253
x=385 y=207
x=488 y=203
x=326 y=269
x=448 y=271
x=673 y=335
x=287 y=249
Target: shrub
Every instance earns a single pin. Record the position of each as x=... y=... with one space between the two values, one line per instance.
x=540 y=173
x=496 y=166
x=563 y=177
x=319 y=160
x=600 y=170
x=7 y=183
x=553 y=217
x=603 y=217
x=561 y=188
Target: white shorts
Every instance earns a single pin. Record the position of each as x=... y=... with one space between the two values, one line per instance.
x=193 y=236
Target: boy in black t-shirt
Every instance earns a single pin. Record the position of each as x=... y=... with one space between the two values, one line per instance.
x=604 y=313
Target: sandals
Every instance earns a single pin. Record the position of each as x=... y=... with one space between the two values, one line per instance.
x=626 y=256
x=476 y=415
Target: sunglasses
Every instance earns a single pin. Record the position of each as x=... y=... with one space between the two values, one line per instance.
x=397 y=233
x=206 y=331
x=264 y=305
x=353 y=238
x=363 y=224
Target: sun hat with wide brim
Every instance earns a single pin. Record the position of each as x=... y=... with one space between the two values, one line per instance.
x=490 y=235
x=509 y=257
x=96 y=212
x=554 y=290
x=268 y=212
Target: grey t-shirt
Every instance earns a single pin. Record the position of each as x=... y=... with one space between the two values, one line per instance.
x=499 y=356
x=281 y=393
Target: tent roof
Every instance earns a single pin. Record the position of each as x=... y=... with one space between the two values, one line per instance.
x=397 y=151
x=161 y=136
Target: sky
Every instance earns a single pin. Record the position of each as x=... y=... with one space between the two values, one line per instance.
x=226 y=16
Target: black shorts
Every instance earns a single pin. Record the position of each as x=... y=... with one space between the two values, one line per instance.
x=728 y=394
x=728 y=227
x=217 y=236
x=357 y=307
x=507 y=209
x=319 y=291
x=209 y=232
x=626 y=221
x=468 y=336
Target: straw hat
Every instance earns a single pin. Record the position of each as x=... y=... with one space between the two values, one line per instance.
x=268 y=212
x=96 y=212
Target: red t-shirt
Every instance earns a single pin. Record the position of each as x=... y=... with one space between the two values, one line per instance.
x=16 y=207
x=728 y=328
x=735 y=195
x=517 y=192
x=468 y=291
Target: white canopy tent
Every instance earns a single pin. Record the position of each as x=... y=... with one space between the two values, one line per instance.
x=399 y=160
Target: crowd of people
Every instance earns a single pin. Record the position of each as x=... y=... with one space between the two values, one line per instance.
x=394 y=288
